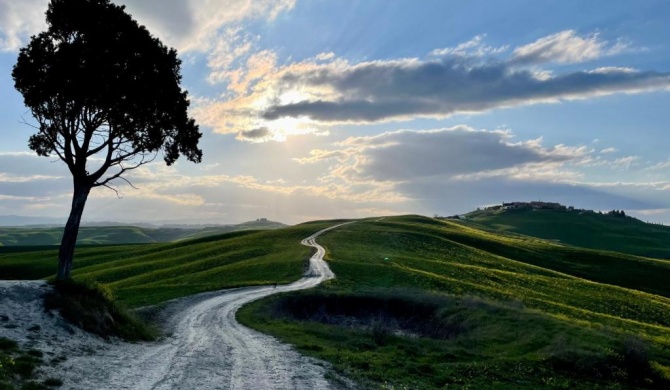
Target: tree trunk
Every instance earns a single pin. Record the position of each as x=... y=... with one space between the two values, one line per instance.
x=67 y=245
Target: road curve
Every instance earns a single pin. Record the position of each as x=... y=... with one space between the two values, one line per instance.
x=209 y=349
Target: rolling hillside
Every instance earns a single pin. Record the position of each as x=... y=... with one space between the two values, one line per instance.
x=451 y=304
x=151 y=273
x=584 y=229
x=504 y=308
x=111 y=235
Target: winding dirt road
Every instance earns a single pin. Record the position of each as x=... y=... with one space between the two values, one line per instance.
x=208 y=348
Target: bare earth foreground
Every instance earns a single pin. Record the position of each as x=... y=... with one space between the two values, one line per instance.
x=206 y=347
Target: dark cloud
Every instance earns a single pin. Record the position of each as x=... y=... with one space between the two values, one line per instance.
x=255 y=134
x=379 y=90
x=453 y=152
x=406 y=155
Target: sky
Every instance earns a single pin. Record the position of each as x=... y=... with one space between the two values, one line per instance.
x=320 y=109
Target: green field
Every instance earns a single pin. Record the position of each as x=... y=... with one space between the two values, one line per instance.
x=152 y=273
x=419 y=303
x=109 y=235
x=525 y=309
x=584 y=229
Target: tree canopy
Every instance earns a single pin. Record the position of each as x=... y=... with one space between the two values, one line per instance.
x=105 y=93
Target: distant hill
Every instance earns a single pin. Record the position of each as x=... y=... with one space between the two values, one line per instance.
x=582 y=228
x=110 y=235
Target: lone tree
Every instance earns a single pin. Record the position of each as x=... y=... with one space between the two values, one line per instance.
x=106 y=97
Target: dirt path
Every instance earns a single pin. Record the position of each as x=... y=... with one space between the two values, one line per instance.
x=207 y=348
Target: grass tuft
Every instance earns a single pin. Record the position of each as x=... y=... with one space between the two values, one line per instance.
x=91 y=306
x=18 y=367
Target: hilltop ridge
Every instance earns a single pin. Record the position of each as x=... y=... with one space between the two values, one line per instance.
x=612 y=230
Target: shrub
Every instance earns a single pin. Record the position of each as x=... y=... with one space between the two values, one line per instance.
x=7 y=344
x=53 y=382
x=91 y=306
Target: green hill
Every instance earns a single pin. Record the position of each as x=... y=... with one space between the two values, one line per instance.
x=579 y=228
x=418 y=302
x=112 y=235
x=152 y=273
x=498 y=311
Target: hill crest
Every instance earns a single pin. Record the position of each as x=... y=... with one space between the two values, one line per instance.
x=613 y=230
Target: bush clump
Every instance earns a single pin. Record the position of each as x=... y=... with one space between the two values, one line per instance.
x=91 y=306
x=629 y=361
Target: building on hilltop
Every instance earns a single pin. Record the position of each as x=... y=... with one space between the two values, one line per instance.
x=533 y=206
x=546 y=206
x=515 y=205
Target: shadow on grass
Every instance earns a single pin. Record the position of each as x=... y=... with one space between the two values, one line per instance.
x=423 y=340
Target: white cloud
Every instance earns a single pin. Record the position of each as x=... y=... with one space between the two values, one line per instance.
x=197 y=24
x=625 y=162
x=608 y=150
x=312 y=95
x=567 y=47
x=19 y=20
x=472 y=48
x=660 y=166
x=188 y=25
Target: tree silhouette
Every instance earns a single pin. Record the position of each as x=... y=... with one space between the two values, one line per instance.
x=106 y=97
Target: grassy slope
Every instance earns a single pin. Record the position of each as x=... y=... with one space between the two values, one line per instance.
x=108 y=235
x=548 y=282
x=589 y=230
x=216 y=230
x=148 y=274
x=450 y=259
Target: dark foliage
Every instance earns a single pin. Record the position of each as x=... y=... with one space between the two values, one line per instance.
x=629 y=362
x=381 y=313
x=91 y=306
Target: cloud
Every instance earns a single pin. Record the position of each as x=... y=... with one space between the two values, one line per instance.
x=19 y=20
x=566 y=47
x=188 y=25
x=457 y=152
x=237 y=198
x=608 y=150
x=24 y=165
x=322 y=91
x=454 y=170
x=472 y=48
x=402 y=89
x=255 y=135
x=448 y=197
x=196 y=25
x=625 y=162
x=662 y=166
x=316 y=95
